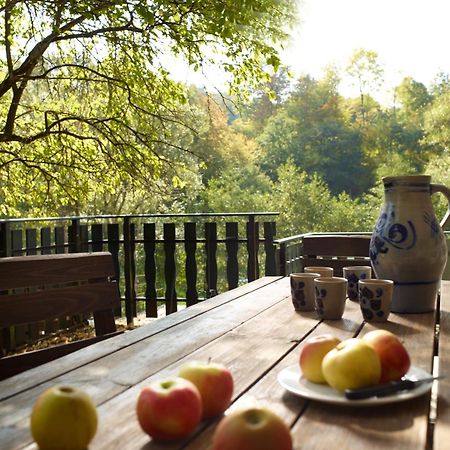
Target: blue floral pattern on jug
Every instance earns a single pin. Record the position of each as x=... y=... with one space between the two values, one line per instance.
x=371 y=302
x=388 y=234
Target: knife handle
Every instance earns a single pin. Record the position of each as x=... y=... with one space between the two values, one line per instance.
x=379 y=390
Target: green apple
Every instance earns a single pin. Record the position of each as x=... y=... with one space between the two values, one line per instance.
x=63 y=418
x=169 y=409
x=352 y=364
x=312 y=353
x=256 y=428
x=214 y=382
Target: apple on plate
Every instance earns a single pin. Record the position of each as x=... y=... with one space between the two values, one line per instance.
x=255 y=428
x=63 y=418
x=312 y=353
x=352 y=364
x=394 y=357
x=214 y=382
x=169 y=409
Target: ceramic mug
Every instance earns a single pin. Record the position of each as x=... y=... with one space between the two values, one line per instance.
x=331 y=294
x=375 y=299
x=353 y=275
x=302 y=291
x=322 y=270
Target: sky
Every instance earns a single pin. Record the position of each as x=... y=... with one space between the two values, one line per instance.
x=411 y=38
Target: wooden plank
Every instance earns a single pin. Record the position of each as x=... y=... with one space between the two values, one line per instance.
x=104 y=379
x=53 y=303
x=35 y=377
x=40 y=270
x=336 y=245
x=60 y=240
x=442 y=430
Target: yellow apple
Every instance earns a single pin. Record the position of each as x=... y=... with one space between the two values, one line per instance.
x=352 y=364
x=312 y=353
x=63 y=418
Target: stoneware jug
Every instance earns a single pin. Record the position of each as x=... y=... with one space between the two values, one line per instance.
x=408 y=245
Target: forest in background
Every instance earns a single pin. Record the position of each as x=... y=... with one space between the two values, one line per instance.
x=109 y=132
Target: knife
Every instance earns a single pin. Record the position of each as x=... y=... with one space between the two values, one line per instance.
x=381 y=390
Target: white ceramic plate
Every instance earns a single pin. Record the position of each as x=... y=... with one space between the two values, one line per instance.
x=291 y=379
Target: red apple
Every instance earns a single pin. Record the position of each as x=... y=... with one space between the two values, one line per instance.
x=213 y=381
x=394 y=357
x=352 y=364
x=312 y=353
x=252 y=429
x=63 y=418
x=169 y=409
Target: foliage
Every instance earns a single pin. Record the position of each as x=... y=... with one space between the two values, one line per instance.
x=117 y=54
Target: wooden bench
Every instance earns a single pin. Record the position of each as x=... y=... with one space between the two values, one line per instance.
x=37 y=288
x=336 y=251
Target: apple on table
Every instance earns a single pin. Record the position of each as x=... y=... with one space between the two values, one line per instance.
x=254 y=428
x=394 y=357
x=214 y=382
x=312 y=353
x=63 y=418
x=169 y=409
x=352 y=364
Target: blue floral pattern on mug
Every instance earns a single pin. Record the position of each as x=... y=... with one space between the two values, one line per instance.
x=370 y=303
x=320 y=295
x=352 y=289
x=298 y=294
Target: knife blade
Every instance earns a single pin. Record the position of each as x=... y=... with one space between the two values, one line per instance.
x=381 y=390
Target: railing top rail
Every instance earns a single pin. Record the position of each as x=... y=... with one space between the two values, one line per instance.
x=123 y=216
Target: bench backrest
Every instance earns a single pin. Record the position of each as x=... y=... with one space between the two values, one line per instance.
x=36 y=288
x=336 y=251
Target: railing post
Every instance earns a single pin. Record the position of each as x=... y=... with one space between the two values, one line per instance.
x=170 y=275
x=5 y=239
x=190 y=246
x=232 y=246
x=151 y=300
x=74 y=236
x=282 y=259
x=252 y=248
x=130 y=300
x=269 y=234
x=211 y=261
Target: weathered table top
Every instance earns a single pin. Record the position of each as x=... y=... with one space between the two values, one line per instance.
x=256 y=333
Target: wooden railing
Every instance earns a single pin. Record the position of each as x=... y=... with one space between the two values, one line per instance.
x=157 y=257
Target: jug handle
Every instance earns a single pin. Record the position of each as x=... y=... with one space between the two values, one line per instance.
x=446 y=191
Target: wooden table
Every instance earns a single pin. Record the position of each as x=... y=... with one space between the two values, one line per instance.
x=256 y=333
